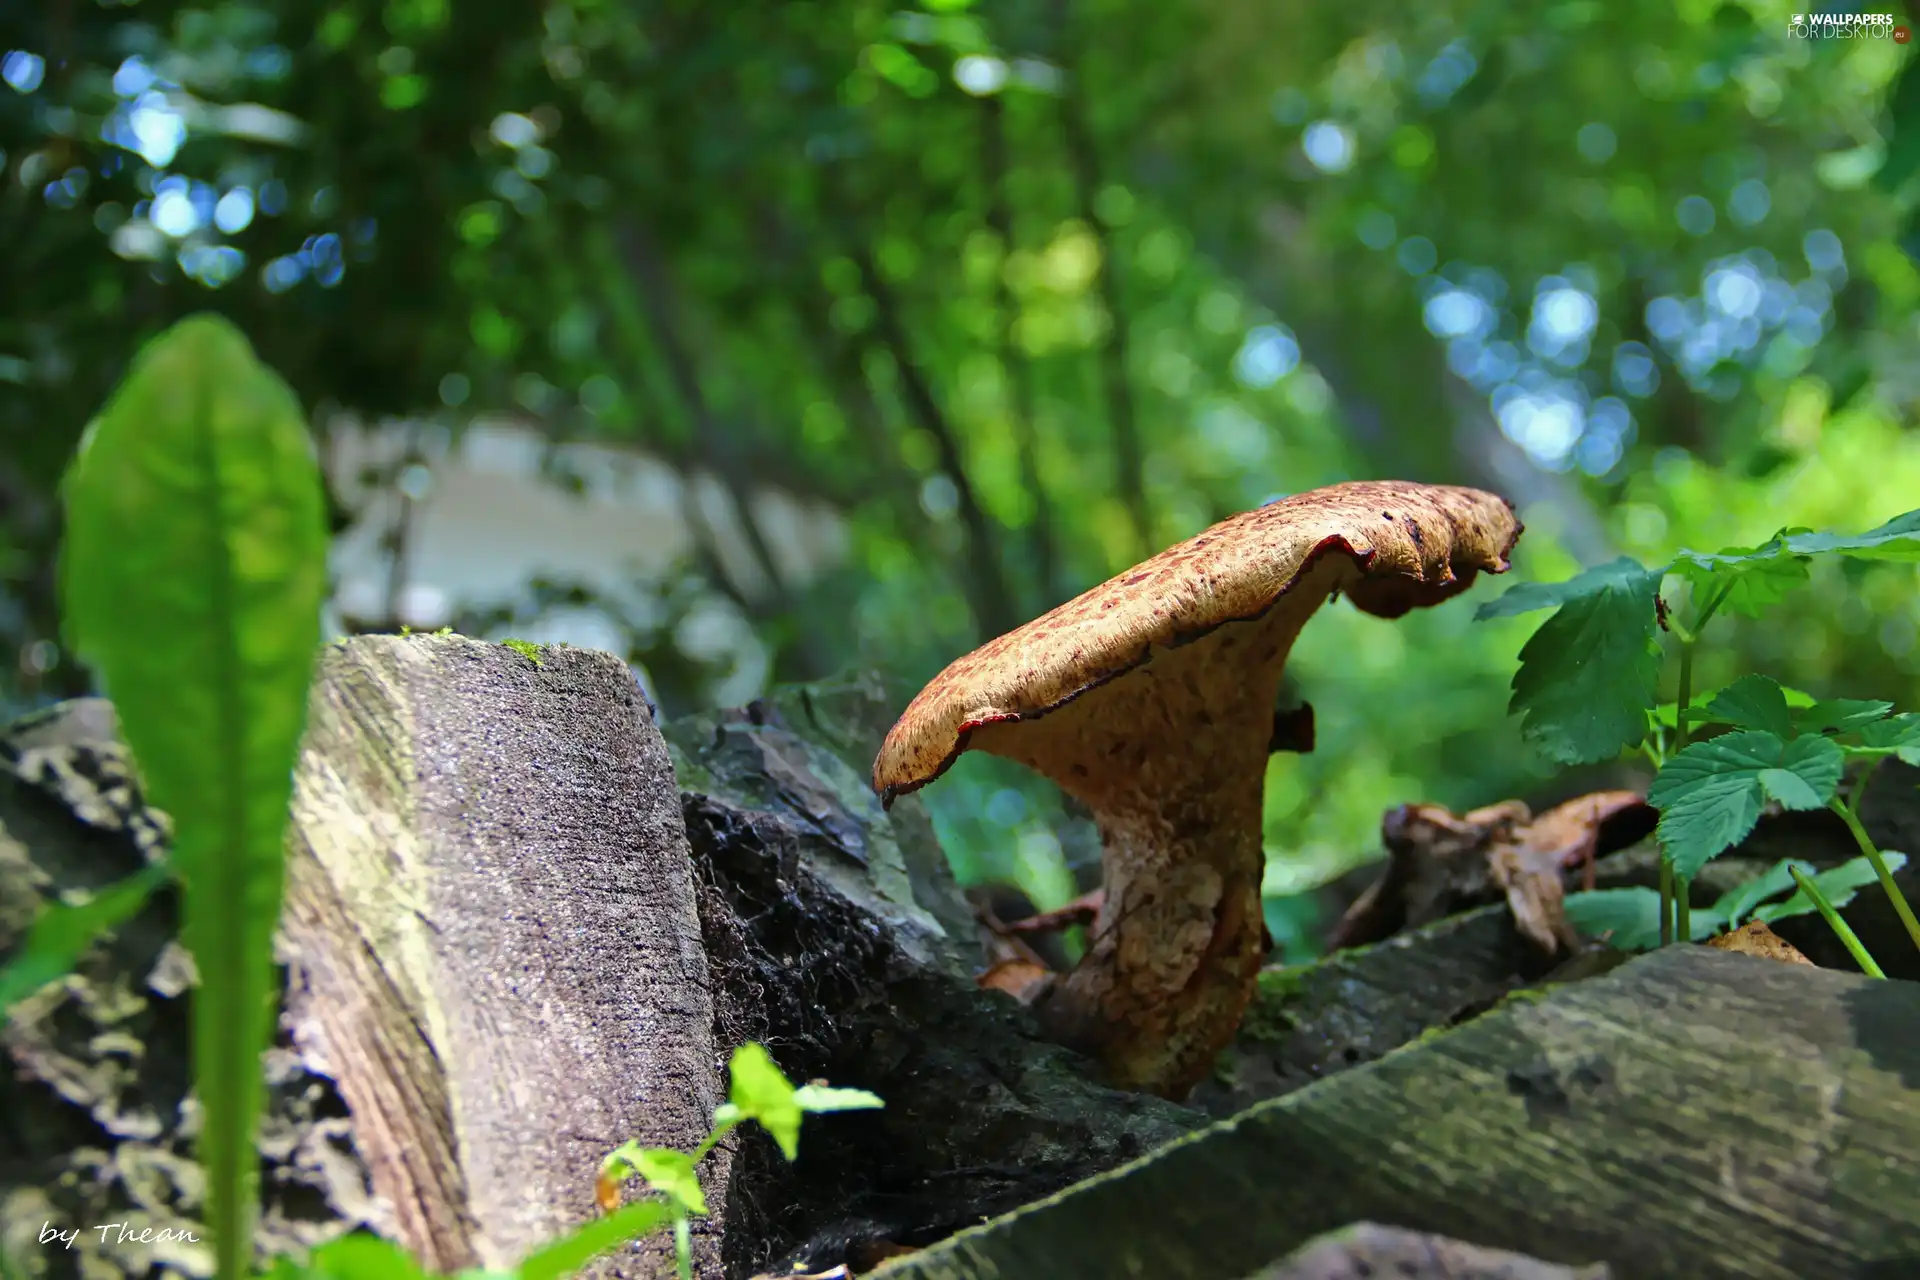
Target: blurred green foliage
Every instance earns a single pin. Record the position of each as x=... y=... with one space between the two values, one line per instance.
x=1027 y=291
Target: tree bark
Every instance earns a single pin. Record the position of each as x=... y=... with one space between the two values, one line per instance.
x=491 y=928
x=1693 y=1115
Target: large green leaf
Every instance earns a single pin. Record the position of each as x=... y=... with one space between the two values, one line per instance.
x=192 y=577
x=63 y=931
x=1897 y=539
x=1527 y=597
x=1629 y=919
x=1753 y=702
x=1746 y=580
x=1709 y=795
x=1838 y=886
x=1899 y=734
x=1586 y=677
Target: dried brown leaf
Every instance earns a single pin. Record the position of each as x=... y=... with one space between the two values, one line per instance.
x=1754 y=938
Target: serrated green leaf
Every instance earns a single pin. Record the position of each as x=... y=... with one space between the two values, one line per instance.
x=1789 y=789
x=1838 y=886
x=1709 y=795
x=1737 y=902
x=1528 y=597
x=1752 y=578
x=1752 y=702
x=1586 y=677
x=1897 y=539
x=1899 y=734
x=1629 y=919
x=1840 y=715
x=1697 y=713
x=820 y=1098
x=63 y=931
x=192 y=577
x=762 y=1094
x=594 y=1237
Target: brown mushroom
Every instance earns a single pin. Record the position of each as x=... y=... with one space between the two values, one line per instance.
x=1150 y=699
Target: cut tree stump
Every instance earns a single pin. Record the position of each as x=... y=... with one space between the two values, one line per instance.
x=1692 y=1115
x=493 y=940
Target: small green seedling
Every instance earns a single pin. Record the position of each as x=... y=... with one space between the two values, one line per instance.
x=1587 y=682
x=759 y=1093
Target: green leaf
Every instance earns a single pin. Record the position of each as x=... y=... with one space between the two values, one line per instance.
x=1586 y=677
x=762 y=1094
x=594 y=1237
x=1899 y=734
x=672 y=1174
x=1840 y=715
x=1789 y=789
x=817 y=1099
x=1752 y=702
x=1527 y=597
x=1897 y=539
x=1630 y=918
x=1738 y=902
x=1752 y=578
x=63 y=931
x=192 y=577
x=1709 y=795
x=360 y=1256
x=1838 y=886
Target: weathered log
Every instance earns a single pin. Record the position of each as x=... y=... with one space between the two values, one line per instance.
x=487 y=848
x=1692 y=1115
x=1367 y=1250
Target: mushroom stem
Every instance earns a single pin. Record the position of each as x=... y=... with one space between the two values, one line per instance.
x=1177 y=946
x=1172 y=765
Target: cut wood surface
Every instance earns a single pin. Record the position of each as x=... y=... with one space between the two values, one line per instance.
x=1692 y=1115
x=494 y=946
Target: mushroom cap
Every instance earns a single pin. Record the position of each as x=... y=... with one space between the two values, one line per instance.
x=1409 y=545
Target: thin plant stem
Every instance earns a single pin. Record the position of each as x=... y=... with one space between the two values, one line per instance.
x=1666 y=899
x=683 y=1245
x=1841 y=929
x=1861 y=838
x=1673 y=889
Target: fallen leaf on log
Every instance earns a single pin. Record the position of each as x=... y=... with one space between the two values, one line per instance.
x=1754 y=939
x=1440 y=862
x=1021 y=979
x=1530 y=878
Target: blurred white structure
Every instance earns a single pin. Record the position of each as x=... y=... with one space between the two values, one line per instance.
x=489 y=511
